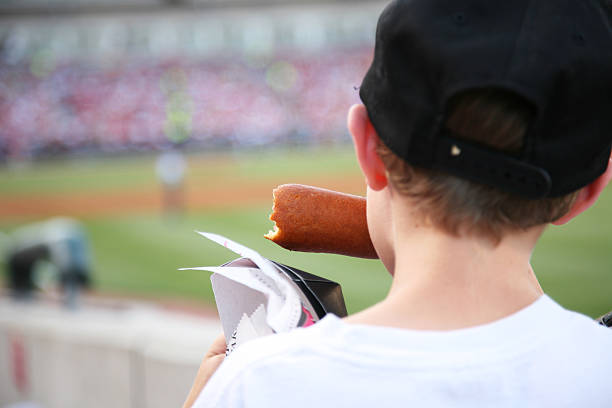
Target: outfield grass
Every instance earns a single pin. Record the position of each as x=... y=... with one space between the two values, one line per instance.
x=105 y=174
x=140 y=253
x=574 y=261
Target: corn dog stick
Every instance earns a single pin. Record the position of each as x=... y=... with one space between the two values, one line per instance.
x=311 y=219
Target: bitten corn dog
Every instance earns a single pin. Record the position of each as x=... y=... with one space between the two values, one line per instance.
x=311 y=219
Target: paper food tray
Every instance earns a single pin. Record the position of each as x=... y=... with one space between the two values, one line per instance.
x=256 y=297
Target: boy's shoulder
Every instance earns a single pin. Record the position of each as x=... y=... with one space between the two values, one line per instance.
x=544 y=324
x=251 y=359
x=529 y=349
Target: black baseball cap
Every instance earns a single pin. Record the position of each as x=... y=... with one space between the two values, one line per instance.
x=555 y=54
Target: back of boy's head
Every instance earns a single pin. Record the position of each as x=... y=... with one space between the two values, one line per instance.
x=492 y=114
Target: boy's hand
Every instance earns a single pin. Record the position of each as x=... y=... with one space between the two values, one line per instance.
x=213 y=358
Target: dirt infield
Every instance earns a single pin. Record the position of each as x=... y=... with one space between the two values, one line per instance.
x=150 y=199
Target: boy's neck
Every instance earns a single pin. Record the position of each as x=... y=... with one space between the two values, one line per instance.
x=443 y=282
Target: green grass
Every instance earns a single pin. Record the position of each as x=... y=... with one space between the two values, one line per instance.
x=140 y=253
x=69 y=176
x=574 y=261
x=100 y=174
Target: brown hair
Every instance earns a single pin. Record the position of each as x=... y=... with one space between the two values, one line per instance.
x=495 y=118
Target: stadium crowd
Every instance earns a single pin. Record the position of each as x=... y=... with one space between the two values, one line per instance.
x=76 y=107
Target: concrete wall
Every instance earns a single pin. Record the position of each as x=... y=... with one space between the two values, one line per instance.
x=131 y=356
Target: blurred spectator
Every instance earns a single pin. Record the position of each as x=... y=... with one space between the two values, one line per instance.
x=170 y=168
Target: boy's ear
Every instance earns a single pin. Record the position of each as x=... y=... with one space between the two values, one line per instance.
x=366 y=141
x=587 y=195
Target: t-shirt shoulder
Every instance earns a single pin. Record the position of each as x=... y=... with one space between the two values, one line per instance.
x=254 y=353
x=543 y=332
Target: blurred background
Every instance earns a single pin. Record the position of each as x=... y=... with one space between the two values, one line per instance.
x=125 y=126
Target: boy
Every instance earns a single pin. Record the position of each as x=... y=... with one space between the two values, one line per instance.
x=483 y=122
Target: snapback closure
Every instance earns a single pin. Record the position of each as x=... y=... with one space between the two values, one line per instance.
x=493 y=168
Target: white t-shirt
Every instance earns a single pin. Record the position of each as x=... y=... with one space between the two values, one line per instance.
x=541 y=356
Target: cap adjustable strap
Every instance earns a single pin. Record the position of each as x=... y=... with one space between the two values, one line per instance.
x=492 y=168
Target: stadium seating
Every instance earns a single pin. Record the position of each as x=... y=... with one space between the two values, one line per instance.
x=136 y=106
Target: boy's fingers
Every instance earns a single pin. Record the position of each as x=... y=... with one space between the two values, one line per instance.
x=212 y=360
x=217 y=346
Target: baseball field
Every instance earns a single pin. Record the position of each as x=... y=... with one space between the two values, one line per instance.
x=137 y=247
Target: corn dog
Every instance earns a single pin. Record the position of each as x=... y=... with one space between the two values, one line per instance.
x=311 y=219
